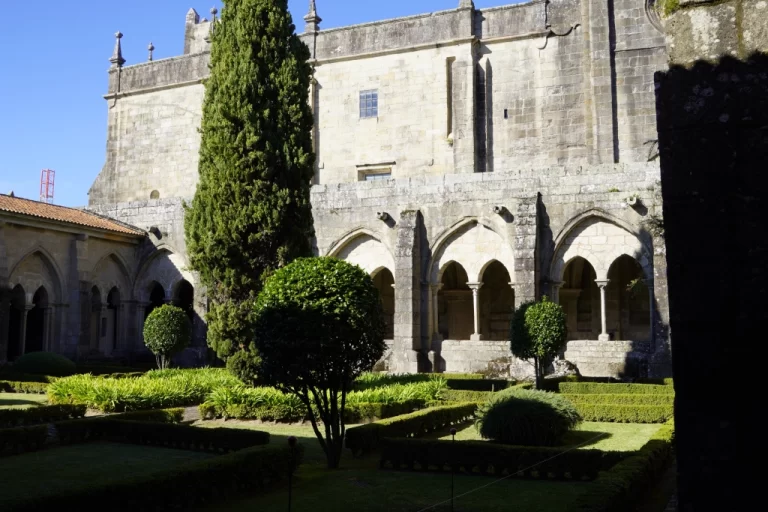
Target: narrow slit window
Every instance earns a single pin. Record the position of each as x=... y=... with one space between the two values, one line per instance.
x=369 y=104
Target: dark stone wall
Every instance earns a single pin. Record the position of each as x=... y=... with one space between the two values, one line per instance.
x=713 y=141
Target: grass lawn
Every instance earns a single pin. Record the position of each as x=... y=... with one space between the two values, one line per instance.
x=57 y=469
x=360 y=485
x=21 y=400
x=620 y=437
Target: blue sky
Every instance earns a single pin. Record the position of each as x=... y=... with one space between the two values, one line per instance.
x=53 y=74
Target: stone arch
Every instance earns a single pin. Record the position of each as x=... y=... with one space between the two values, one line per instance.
x=454 y=303
x=184 y=297
x=35 y=269
x=628 y=300
x=497 y=301
x=473 y=244
x=580 y=298
x=384 y=281
x=112 y=272
x=599 y=238
x=165 y=267
x=16 y=322
x=363 y=248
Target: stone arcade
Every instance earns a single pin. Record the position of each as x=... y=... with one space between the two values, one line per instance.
x=468 y=159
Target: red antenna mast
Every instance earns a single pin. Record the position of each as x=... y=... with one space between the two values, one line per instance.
x=47 y=177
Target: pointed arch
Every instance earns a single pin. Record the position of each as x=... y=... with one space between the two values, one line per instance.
x=165 y=267
x=49 y=275
x=364 y=248
x=111 y=271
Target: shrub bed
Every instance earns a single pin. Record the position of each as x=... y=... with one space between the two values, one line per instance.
x=44 y=363
x=22 y=439
x=626 y=413
x=37 y=415
x=622 y=487
x=153 y=390
x=185 y=437
x=156 y=416
x=11 y=386
x=190 y=486
x=366 y=438
x=479 y=384
x=458 y=395
x=489 y=458
x=621 y=399
x=614 y=389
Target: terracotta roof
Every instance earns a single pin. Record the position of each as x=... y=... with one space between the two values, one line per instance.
x=64 y=214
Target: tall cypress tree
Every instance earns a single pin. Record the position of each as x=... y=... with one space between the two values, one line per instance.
x=251 y=212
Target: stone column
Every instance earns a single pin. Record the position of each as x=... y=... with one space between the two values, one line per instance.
x=435 y=319
x=649 y=285
x=23 y=329
x=407 y=343
x=475 y=287
x=604 y=329
x=556 y=285
x=140 y=310
x=5 y=313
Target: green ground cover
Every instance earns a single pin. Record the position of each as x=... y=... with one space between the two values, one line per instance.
x=21 y=400
x=597 y=435
x=360 y=485
x=52 y=471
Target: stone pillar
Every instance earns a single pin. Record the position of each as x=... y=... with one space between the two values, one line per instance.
x=475 y=287
x=23 y=329
x=141 y=308
x=434 y=310
x=651 y=313
x=556 y=285
x=407 y=342
x=603 y=327
x=5 y=314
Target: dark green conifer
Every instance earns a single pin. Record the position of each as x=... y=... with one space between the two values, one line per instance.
x=251 y=212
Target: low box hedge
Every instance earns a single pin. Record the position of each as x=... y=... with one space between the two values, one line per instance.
x=625 y=485
x=12 y=386
x=621 y=399
x=366 y=438
x=613 y=389
x=482 y=457
x=175 y=415
x=553 y=383
x=626 y=413
x=39 y=415
x=22 y=439
x=479 y=384
x=460 y=395
x=185 y=437
x=462 y=376
x=193 y=485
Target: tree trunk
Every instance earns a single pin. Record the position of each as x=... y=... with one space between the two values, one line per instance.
x=537 y=370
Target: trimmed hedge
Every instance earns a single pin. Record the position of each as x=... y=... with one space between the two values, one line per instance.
x=25 y=377
x=479 y=384
x=622 y=487
x=614 y=389
x=22 y=439
x=366 y=438
x=157 y=416
x=458 y=395
x=462 y=376
x=621 y=399
x=553 y=383
x=185 y=437
x=10 y=386
x=625 y=413
x=39 y=415
x=481 y=457
x=44 y=363
x=190 y=486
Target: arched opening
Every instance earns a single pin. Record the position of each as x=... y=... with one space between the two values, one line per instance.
x=185 y=297
x=37 y=323
x=15 y=323
x=110 y=341
x=455 y=313
x=580 y=299
x=96 y=328
x=497 y=302
x=627 y=301
x=384 y=281
x=154 y=194
x=156 y=298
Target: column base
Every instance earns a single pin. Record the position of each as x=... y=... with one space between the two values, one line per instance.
x=604 y=337
x=475 y=337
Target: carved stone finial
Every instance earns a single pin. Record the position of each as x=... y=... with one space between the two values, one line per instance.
x=214 y=12
x=117 y=59
x=192 y=17
x=466 y=4
x=151 y=49
x=312 y=19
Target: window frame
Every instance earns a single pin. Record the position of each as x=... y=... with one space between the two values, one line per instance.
x=368 y=104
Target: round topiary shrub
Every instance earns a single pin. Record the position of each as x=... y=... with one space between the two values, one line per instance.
x=526 y=417
x=167 y=331
x=44 y=363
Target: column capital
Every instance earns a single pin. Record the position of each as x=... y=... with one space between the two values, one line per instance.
x=602 y=283
x=474 y=286
x=557 y=284
x=436 y=287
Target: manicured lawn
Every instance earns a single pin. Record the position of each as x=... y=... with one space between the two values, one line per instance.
x=16 y=400
x=360 y=485
x=619 y=437
x=69 y=467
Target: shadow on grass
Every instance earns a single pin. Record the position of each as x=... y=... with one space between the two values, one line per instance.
x=17 y=402
x=584 y=438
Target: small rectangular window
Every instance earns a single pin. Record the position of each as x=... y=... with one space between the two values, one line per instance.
x=378 y=176
x=367 y=173
x=369 y=104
